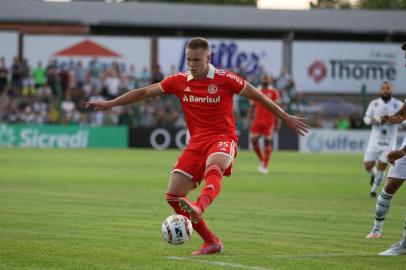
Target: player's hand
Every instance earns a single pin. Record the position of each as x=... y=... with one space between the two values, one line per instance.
x=99 y=105
x=384 y=119
x=395 y=155
x=298 y=124
x=374 y=121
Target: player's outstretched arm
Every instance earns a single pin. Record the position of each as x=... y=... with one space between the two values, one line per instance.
x=296 y=123
x=132 y=96
x=396 y=118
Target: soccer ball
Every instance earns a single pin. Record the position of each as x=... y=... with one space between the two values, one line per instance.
x=177 y=229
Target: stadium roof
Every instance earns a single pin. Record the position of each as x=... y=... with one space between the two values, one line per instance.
x=188 y=16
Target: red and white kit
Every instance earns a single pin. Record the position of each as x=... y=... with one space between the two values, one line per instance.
x=208 y=108
x=265 y=121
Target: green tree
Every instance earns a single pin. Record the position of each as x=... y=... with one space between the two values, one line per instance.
x=331 y=4
x=381 y=4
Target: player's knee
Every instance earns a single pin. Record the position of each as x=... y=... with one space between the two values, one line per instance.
x=268 y=142
x=214 y=169
x=368 y=166
x=172 y=199
x=391 y=186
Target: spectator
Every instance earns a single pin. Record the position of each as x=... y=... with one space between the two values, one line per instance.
x=3 y=75
x=343 y=122
x=39 y=75
x=16 y=75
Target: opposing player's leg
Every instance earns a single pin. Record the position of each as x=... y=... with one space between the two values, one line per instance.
x=369 y=166
x=382 y=205
x=179 y=186
x=397 y=248
x=379 y=176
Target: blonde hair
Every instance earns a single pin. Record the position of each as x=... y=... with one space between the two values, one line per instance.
x=198 y=43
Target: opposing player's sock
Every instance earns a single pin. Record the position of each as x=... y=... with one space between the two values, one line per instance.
x=257 y=150
x=381 y=210
x=268 y=153
x=212 y=186
x=201 y=227
x=379 y=176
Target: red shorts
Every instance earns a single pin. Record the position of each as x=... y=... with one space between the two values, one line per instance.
x=192 y=162
x=262 y=129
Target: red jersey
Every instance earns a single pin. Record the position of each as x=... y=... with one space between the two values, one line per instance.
x=207 y=103
x=261 y=113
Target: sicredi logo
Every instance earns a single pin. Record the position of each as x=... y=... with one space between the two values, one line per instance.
x=7 y=136
x=206 y=99
x=32 y=137
x=352 y=69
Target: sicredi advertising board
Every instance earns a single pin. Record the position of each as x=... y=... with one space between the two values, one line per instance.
x=9 y=47
x=343 y=67
x=247 y=55
x=123 y=50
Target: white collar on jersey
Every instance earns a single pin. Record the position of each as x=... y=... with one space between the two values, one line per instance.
x=210 y=74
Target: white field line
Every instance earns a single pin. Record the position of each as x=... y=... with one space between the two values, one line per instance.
x=225 y=264
x=323 y=255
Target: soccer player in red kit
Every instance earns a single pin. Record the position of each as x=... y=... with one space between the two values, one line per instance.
x=206 y=96
x=263 y=123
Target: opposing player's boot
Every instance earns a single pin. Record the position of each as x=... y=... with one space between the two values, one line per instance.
x=374 y=234
x=191 y=208
x=394 y=250
x=209 y=248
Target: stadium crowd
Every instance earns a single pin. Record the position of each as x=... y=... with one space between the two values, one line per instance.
x=54 y=93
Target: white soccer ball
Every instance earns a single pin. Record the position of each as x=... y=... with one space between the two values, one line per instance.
x=177 y=229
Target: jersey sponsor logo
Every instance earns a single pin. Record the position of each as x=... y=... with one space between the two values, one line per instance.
x=187 y=89
x=212 y=88
x=206 y=99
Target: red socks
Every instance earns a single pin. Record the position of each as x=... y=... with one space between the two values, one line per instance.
x=201 y=227
x=268 y=152
x=257 y=149
x=212 y=186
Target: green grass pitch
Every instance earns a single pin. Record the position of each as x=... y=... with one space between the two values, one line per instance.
x=103 y=209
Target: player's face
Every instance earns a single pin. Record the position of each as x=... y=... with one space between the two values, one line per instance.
x=198 y=62
x=265 y=80
x=386 y=90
